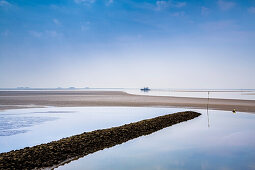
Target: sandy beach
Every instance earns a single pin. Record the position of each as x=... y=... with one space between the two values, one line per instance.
x=24 y=99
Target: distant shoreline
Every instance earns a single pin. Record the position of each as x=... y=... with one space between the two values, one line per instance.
x=27 y=99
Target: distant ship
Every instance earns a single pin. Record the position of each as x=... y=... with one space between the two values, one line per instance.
x=145 y=89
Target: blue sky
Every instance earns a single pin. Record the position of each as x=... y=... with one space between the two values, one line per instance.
x=110 y=43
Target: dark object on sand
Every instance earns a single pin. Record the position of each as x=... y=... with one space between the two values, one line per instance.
x=74 y=147
x=145 y=89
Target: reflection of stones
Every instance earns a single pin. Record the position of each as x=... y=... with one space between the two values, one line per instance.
x=9 y=125
x=54 y=153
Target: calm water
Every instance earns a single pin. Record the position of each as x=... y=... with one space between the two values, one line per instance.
x=224 y=94
x=226 y=142
x=29 y=127
x=244 y=94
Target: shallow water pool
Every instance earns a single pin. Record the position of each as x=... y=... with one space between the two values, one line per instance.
x=226 y=141
x=28 y=127
x=216 y=94
x=215 y=140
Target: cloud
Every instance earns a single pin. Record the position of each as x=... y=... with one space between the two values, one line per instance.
x=109 y=2
x=225 y=5
x=5 y=33
x=52 y=33
x=179 y=4
x=204 y=11
x=85 y=26
x=4 y=3
x=217 y=26
x=36 y=34
x=45 y=34
x=84 y=2
x=160 y=4
x=178 y=14
x=56 y=21
x=252 y=10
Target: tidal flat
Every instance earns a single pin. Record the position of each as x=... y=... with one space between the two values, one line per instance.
x=50 y=154
x=214 y=140
x=28 y=99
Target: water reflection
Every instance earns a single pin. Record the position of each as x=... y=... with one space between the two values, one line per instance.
x=227 y=144
x=28 y=127
x=222 y=94
x=12 y=124
x=208 y=120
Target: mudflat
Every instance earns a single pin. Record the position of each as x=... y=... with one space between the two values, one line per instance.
x=24 y=99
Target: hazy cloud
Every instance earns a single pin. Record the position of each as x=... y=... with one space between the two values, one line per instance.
x=45 y=34
x=205 y=11
x=56 y=21
x=4 y=3
x=5 y=33
x=85 y=26
x=162 y=4
x=225 y=5
x=252 y=10
x=227 y=25
x=36 y=34
x=178 y=14
x=84 y=2
x=109 y=2
x=52 y=33
x=179 y=4
x=169 y=4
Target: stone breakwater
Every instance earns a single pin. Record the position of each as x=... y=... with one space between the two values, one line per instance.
x=56 y=152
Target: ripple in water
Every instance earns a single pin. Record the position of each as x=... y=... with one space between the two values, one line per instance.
x=12 y=124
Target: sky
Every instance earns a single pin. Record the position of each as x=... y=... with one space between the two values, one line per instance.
x=127 y=43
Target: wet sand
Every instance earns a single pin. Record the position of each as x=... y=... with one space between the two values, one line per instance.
x=24 y=99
